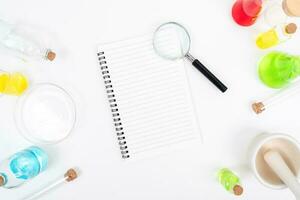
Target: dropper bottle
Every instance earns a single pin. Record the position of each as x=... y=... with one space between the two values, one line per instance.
x=276 y=35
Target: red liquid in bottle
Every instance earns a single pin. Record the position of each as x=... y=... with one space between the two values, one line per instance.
x=245 y=12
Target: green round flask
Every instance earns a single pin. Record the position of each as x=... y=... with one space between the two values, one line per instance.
x=278 y=69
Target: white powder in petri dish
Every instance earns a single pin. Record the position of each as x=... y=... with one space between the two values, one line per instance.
x=46 y=114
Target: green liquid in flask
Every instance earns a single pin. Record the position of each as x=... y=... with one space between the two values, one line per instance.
x=230 y=181
x=278 y=69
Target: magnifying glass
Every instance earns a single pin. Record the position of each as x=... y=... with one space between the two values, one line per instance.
x=172 y=41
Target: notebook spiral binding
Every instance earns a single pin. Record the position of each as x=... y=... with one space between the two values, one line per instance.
x=113 y=105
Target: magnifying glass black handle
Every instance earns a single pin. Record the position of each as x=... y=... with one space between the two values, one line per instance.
x=209 y=75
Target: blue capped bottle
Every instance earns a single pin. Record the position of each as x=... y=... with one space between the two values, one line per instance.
x=22 y=166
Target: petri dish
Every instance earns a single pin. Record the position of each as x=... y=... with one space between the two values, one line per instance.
x=46 y=114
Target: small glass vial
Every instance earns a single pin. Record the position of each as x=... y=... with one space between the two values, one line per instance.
x=14 y=40
x=275 y=36
x=22 y=166
x=230 y=181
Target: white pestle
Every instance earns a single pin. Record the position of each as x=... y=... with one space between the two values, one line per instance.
x=281 y=169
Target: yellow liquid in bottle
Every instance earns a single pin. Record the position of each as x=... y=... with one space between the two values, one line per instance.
x=13 y=84
x=3 y=80
x=267 y=39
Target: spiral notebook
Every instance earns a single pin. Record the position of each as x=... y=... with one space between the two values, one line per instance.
x=149 y=97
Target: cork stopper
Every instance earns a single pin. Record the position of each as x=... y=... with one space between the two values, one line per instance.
x=258 y=107
x=2 y=181
x=50 y=55
x=238 y=190
x=291 y=28
x=71 y=175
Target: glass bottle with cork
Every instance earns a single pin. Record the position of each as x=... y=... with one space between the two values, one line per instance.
x=230 y=181
x=22 y=166
x=19 y=41
x=276 y=35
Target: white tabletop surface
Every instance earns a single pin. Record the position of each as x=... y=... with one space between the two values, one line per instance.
x=227 y=122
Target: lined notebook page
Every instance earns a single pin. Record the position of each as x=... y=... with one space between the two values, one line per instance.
x=152 y=96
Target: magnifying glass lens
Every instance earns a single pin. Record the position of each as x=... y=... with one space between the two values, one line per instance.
x=171 y=41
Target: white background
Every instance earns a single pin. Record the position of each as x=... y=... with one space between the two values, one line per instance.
x=75 y=27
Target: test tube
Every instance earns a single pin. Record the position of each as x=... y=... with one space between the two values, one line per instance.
x=284 y=94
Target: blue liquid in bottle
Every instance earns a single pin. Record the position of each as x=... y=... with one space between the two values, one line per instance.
x=22 y=166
